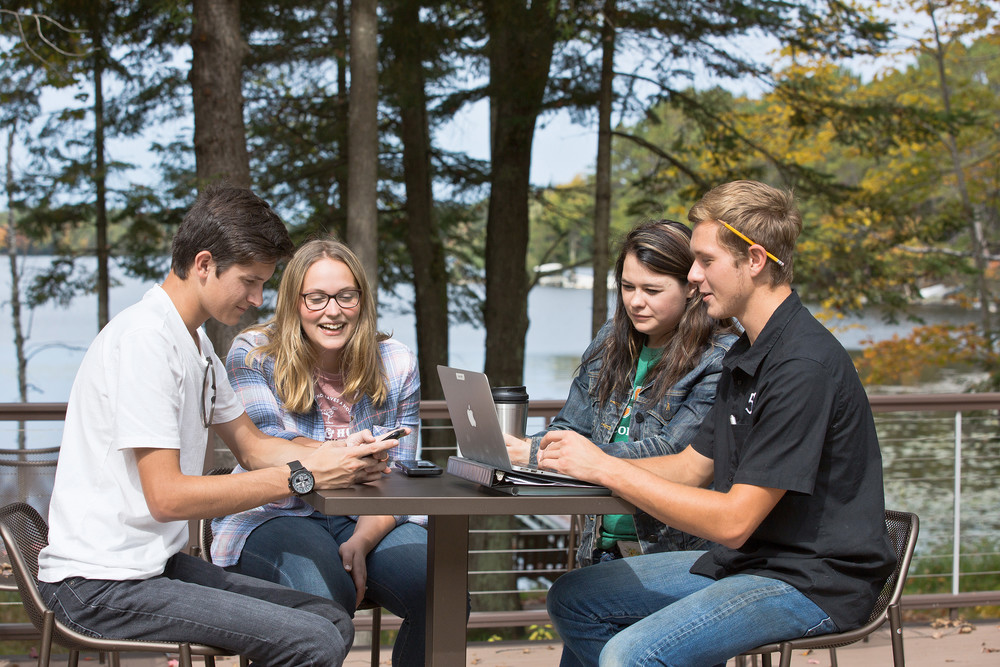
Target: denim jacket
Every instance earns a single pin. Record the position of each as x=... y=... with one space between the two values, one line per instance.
x=656 y=429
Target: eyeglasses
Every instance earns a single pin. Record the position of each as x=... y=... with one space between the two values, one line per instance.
x=208 y=405
x=747 y=239
x=348 y=298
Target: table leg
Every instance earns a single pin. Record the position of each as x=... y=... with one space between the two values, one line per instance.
x=447 y=589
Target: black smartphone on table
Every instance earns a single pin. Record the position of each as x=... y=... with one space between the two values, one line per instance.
x=418 y=468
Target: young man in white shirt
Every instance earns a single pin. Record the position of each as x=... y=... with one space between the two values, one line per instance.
x=129 y=475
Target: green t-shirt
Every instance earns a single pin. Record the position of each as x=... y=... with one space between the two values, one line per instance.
x=615 y=527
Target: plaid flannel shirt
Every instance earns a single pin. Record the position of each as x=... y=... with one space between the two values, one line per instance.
x=254 y=384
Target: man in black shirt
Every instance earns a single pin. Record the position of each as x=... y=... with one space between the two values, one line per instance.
x=797 y=512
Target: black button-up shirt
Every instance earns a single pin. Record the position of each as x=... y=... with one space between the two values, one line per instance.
x=791 y=414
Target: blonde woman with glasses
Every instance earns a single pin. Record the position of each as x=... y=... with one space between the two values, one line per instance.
x=320 y=370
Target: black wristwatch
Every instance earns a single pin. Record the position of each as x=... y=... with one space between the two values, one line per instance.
x=300 y=481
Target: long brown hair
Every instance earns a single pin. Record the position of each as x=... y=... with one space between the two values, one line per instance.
x=664 y=247
x=295 y=357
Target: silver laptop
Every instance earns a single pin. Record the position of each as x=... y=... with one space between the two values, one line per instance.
x=477 y=428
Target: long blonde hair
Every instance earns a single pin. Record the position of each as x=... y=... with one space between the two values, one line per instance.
x=295 y=357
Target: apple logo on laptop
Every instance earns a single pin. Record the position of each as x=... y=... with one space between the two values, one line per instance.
x=472 y=417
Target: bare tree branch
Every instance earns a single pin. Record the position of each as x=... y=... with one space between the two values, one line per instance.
x=945 y=251
x=656 y=150
x=39 y=19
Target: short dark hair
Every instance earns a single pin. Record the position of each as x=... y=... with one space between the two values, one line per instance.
x=233 y=224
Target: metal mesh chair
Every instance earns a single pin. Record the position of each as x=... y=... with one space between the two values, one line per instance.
x=903 y=529
x=205 y=550
x=27 y=475
x=25 y=534
x=12 y=631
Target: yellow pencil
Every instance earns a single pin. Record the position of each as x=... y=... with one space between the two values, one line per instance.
x=747 y=239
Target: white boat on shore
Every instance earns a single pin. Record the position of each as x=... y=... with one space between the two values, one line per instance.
x=579 y=277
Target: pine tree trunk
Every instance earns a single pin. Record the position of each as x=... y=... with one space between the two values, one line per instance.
x=218 y=50
x=430 y=277
x=100 y=175
x=220 y=147
x=522 y=37
x=362 y=139
x=980 y=248
x=15 y=288
x=602 y=206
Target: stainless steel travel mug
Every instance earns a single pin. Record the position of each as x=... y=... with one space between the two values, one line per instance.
x=512 y=409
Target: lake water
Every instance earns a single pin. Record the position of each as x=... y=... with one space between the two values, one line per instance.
x=558 y=334
x=917 y=451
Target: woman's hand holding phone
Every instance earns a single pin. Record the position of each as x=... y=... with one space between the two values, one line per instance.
x=395 y=434
x=381 y=452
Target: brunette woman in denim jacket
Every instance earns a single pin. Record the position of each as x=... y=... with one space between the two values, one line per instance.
x=661 y=333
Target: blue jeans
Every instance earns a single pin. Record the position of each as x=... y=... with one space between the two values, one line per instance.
x=650 y=610
x=303 y=553
x=195 y=601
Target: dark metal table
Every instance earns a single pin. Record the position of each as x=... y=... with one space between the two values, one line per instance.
x=448 y=502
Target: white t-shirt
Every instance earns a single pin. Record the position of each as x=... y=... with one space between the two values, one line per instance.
x=139 y=385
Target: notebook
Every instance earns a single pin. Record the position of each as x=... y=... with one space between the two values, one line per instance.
x=519 y=483
x=477 y=428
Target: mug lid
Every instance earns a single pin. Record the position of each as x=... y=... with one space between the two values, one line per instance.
x=516 y=394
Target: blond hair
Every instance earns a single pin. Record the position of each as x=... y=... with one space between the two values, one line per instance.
x=763 y=213
x=294 y=355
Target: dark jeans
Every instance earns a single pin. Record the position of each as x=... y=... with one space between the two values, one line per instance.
x=197 y=602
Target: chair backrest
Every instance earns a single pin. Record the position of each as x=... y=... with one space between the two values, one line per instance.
x=903 y=528
x=25 y=534
x=205 y=525
x=27 y=475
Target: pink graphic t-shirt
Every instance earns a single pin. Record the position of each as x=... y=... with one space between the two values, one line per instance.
x=336 y=410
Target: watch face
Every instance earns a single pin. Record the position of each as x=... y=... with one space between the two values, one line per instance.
x=301 y=481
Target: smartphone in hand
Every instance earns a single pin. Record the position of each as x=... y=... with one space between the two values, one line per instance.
x=393 y=435
x=417 y=468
